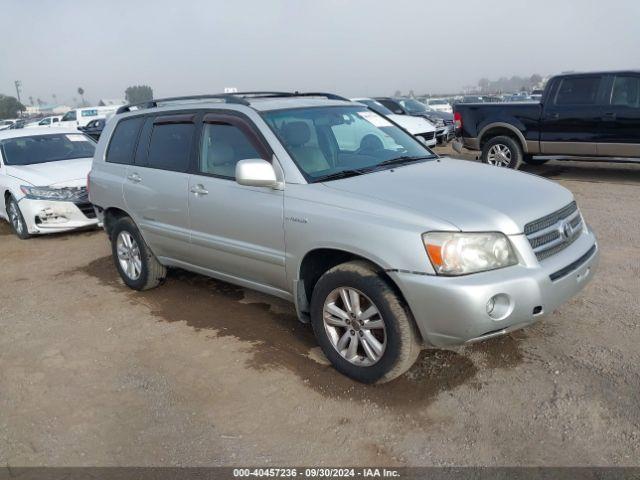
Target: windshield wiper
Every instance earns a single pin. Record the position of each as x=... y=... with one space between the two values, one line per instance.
x=404 y=159
x=342 y=174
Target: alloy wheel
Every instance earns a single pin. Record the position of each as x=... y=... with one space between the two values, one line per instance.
x=499 y=155
x=354 y=326
x=14 y=216
x=129 y=255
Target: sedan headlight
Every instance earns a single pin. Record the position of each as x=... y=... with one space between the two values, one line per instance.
x=457 y=253
x=48 y=193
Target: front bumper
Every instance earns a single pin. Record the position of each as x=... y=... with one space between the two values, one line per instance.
x=46 y=216
x=453 y=310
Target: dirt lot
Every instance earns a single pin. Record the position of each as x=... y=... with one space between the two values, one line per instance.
x=199 y=372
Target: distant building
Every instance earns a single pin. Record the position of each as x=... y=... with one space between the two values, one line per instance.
x=105 y=102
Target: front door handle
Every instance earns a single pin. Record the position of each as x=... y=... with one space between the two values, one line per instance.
x=609 y=116
x=134 y=177
x=553 y=116
x=199 y=189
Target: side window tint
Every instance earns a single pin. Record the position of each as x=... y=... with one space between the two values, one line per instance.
x=626 y=92
x=224 y=145
x=578 y=91
x=124 y=140
x=170 y=146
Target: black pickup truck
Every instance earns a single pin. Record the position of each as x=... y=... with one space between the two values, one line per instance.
x=579 y=115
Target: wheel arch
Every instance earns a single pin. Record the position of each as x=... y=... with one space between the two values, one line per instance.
x=497 y=129
x=111 y=215
x=318 y=261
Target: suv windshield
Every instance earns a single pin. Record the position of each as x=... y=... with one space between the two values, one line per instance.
x=334 y=142
x=46 y=148
x=413 y=106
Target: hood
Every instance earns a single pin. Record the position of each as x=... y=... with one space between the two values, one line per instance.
x=437 y=114
x=64 y=173
x=472 y=196
x=414 y=125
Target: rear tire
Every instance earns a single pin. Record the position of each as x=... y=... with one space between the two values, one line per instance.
x=136 y=264
x=387 y=342
x=503 y=152
x=16 y=220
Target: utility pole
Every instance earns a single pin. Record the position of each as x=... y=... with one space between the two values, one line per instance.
x=18 y=84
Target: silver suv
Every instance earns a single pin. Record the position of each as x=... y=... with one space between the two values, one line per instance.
x=384 y=247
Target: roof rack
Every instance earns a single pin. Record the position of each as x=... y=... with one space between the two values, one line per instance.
x=236 y=97
x=330 y=96
x=228 y=98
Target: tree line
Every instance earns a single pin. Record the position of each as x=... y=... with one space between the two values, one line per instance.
x=513 y=84
x=10 y=107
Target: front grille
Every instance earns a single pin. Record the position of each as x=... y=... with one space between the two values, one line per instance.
x=428 y=135
x=87 y=209
x=555 y=232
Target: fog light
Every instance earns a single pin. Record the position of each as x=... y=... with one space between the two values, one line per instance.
x=499 y=306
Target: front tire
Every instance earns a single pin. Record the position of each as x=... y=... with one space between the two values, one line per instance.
x=16 y=220
x=363 y=327
x=136 y=264
x=502 y=151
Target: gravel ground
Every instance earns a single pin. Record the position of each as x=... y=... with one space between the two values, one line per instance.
x=200 y=372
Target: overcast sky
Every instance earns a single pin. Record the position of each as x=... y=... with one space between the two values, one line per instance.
x=357 y=47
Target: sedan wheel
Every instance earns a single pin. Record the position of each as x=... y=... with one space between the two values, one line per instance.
x=499 y=155
x=14 y=217
x=354 y=326
x=129 y=255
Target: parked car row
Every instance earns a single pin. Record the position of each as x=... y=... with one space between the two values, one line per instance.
x=318 y=200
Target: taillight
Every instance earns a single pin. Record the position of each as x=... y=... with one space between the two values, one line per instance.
x=457 y=118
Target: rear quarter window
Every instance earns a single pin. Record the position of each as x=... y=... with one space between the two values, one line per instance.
x=123 y=141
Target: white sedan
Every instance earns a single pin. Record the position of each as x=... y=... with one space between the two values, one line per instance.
x=43 y=178
x=419 y=127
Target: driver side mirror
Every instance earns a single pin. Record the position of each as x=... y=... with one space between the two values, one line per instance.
x=399 y=111
x=256 y=172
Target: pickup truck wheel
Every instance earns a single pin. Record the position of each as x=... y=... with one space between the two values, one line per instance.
x=529 y=160
x=502 y=152
x=362 y=326
x=136 y=264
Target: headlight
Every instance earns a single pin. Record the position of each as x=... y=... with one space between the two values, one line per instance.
x=48 y=193
x=457 y=253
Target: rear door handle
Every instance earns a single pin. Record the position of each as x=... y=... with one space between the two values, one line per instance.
x=553 y=116
x=609 y=116
x=199 y=189
x=134 y=177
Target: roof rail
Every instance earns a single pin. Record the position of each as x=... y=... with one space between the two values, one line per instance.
x=236 y=97
x=330 y=96
x=228 y=98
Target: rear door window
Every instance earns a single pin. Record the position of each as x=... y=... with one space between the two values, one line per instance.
x=124 y=140
x=626 y=92
x=170 y=146
x=578 y=91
